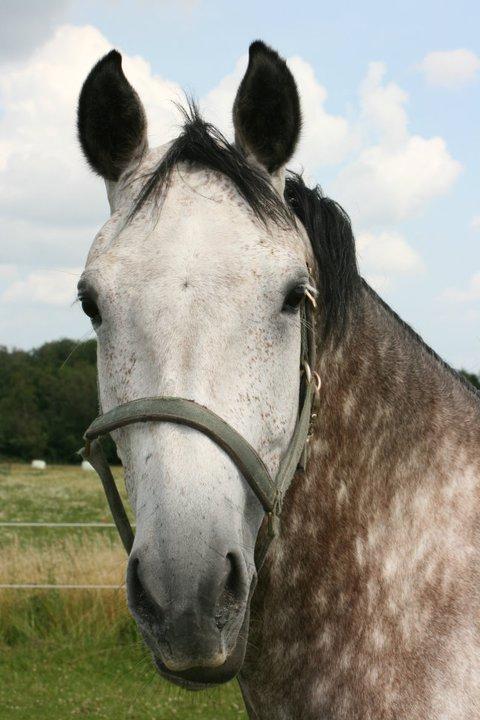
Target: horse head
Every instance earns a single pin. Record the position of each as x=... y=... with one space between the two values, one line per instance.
x=194 y=287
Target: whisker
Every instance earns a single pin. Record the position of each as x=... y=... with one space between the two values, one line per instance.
x=82 y=340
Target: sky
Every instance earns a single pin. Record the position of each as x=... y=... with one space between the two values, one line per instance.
x=391 y=110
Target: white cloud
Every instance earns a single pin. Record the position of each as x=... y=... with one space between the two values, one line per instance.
x=50 y=287
x=51 y=205
x=475 y=223
x=27 y=242
x=385 y=185
x=326 y=139
x=50 y=202
x=382 y=106
x=7 y=271
x=46 y=190
x=387 y=253
x=400 y=173
x=470 y=294
x=217 y=104
x=450 y=68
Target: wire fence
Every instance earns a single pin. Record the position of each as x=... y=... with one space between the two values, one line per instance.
x=52 y=586
x=58 y=524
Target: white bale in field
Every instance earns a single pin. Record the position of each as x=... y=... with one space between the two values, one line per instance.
x=39 y=464
x=86 y=466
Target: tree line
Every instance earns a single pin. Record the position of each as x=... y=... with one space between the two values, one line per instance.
x=48 y=396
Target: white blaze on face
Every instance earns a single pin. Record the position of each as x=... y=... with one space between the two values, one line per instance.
x=191 y=303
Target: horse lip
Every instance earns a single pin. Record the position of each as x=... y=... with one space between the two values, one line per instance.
x=177 y=679
x=200 y=678
x=197 y=678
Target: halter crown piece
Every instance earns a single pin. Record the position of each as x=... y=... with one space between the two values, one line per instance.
x=269 y=491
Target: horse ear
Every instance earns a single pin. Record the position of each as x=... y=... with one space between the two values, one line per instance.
x=266 y=111
x=112 y=126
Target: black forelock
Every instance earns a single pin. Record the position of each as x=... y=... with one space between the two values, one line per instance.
x=200 y=143
x=327 y=225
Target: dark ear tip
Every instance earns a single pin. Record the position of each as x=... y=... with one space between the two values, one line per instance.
x=112 y=58
x=258 y=47
x=115 y=56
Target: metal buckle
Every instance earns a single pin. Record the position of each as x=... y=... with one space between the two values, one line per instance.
x=273 y=526
x=317 y=380
x=307 y=370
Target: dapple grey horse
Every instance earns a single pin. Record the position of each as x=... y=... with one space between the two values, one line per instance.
x=367 y=605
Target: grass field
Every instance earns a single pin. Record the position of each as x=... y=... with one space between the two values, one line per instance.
x=76 y=653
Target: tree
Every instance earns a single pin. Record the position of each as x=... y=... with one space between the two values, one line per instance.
x=473 y=379
x=48 y=397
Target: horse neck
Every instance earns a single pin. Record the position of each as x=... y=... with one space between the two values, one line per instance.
x=389 y=406
x=391 y=421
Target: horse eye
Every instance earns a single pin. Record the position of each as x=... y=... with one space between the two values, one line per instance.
x=294 y=298
x=90 y=308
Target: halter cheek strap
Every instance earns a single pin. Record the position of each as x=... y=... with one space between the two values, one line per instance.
x=270 y=492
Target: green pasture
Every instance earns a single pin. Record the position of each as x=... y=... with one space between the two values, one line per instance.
x=76 y=653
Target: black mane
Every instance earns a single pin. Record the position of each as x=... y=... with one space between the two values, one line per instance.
x=330 y=233
x=326 y=223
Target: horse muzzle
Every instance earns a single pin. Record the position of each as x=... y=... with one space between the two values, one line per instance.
x=194 y=630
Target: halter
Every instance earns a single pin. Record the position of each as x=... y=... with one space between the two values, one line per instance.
x=269 y=491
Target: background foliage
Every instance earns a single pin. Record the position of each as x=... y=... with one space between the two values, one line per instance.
x=48 y=397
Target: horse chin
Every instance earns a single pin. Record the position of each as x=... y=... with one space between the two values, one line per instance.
x=203 y=677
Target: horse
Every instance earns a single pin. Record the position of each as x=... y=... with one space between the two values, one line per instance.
x=367 y=604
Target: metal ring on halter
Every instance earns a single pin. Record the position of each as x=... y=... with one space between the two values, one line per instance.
x=309 y=294
x=317 y=380
x=307 y=370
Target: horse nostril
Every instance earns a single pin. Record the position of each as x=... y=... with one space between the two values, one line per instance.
x=134 y=584
x=139 y=599
x=234 y=584
x=233 y=592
